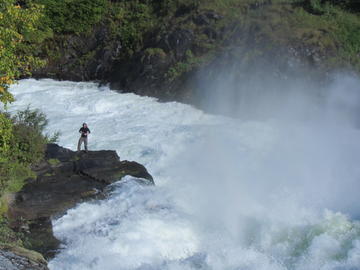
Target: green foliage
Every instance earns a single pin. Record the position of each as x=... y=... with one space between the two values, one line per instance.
x=191 y=62
x=155 y=52
x=5 y=136
x=37 y=121
x=25 y=145
x=54 y=161
x=8 y=236
x=316 y=6
x=31 y=118
x=350 y=5
x=169 y=7
x=150 y=53
x=334 y=30
x=130 y=21
x=347 y=34
x=324 y=25
x=53 y=138
x=72 y=16
x=17 y=26
x=12 y=176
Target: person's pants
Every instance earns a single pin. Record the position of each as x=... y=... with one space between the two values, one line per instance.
x=81 y=140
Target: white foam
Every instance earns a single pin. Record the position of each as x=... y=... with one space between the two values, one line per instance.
x=229 y=194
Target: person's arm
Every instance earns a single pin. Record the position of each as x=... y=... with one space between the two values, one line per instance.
x=80 y=131
x=89 y=131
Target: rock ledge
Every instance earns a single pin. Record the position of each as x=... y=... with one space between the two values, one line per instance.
x=64 y=179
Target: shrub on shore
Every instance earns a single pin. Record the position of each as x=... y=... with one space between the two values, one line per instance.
x=23 y=146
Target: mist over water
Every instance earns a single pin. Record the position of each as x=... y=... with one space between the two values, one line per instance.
x=275 y=186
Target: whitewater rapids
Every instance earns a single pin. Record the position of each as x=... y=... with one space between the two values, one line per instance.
x=230 y=194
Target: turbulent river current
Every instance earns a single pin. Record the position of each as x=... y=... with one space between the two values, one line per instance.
x=276 y=193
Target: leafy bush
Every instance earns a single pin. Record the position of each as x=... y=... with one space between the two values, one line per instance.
x=130 y=21
x=347 y=34
x=12 y=175
x=31 y=118
x=16 y=50
x=54 y=161
x=27 y=144
x=72 y=16
x=190 y=62
x=36 y=120
x=316 y=7
x=24 y=146
x=351 y=5
x=5 y=136
x=7 y=235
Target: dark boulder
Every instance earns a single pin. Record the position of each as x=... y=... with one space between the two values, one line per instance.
x=63 y=179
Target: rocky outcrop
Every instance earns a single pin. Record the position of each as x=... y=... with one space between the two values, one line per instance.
x=16 y=258
x=63 y=179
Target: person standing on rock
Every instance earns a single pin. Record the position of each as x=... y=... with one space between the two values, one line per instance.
x=85 y=131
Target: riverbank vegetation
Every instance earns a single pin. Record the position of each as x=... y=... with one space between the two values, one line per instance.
x=21 y=136
x=92 y=39
x=54 y=30
x=26 y=143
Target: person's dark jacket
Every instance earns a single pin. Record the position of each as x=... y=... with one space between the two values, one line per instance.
x=84 y=131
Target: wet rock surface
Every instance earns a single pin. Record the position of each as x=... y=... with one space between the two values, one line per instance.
x=21 y=259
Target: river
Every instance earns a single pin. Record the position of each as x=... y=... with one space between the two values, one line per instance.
x=277 y=193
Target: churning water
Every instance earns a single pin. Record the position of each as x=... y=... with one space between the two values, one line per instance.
x=247 y=194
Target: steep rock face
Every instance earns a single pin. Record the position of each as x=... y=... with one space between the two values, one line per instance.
x=65 y=178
